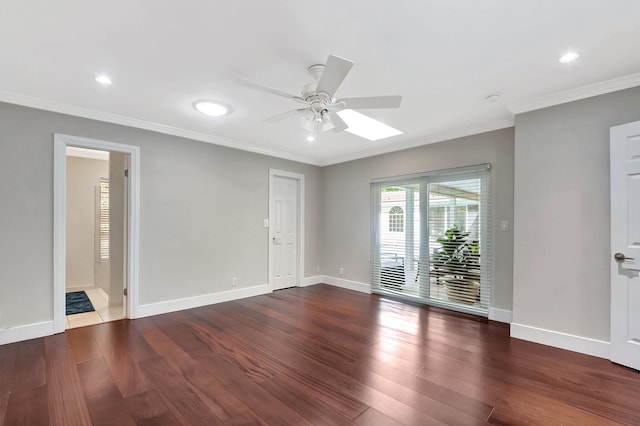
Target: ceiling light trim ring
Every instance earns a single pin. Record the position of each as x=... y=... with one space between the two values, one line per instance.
x=212 y=108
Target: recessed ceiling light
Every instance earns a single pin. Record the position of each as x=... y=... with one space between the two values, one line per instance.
x=213 y=109
x=569 y=57
x=310 y=139
x=367 y=127
x=103 y=79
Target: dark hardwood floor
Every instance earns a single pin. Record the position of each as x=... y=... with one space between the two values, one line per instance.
x=317 y=355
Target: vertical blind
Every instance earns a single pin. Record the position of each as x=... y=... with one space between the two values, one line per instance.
x=103 y=220
x=431 y=238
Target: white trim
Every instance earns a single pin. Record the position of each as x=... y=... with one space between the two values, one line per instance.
x=385 y=147
x=500 y=315
x=348 y=284
x=25 y=332
x=301 y=225
x=77 y=111
x=560 y=340
x=316 y=279
x=203 y=300
x=59 y=221
x=588 y=91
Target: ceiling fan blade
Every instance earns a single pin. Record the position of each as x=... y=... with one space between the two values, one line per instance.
x=338 y=123
x=263 y=88
x=372 y=102
x=333 y=74
x=284 y=115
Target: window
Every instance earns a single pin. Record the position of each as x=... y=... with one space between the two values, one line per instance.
x=102 y=201
x=396 y=219
x=430 y=238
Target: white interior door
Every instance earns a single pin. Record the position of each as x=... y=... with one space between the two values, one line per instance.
x=625 y=244
x=284 y=232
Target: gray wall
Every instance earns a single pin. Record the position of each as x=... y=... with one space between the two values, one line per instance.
x=83 y=175
x=202 y=208
x=347 y=202
x=562 y=235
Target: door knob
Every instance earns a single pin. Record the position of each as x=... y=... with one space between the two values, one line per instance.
x=620 y=257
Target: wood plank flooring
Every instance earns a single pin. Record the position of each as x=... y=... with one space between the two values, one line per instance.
x=318 y=355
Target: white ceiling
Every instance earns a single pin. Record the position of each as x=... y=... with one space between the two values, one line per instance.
x=444 y=58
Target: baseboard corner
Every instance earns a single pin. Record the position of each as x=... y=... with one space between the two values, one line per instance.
x=500 y=315
x=347 y=284
x=308 y=281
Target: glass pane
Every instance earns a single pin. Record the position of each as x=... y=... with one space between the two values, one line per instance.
x=454 y=241
x=399 y=230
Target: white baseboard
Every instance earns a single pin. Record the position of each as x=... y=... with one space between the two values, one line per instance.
x=103 y=294
x=197 y=301
x=560 y=340
x=349 y=285
x=25 y=332
x=317 y=279
x=500 y=315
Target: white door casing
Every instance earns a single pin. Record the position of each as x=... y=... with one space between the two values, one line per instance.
x=59 y=220
x=126 y=230
x=285 y=224
x=625 y=243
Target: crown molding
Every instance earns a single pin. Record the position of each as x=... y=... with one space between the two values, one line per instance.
x=583 y=92
x=461 y=132
x=62 y=108
x=558 y=98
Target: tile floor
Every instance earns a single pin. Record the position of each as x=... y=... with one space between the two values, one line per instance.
x=103 y=312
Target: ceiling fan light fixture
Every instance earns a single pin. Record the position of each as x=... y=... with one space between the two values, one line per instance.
x=310 y=121
x=367 y=127
x=210 y=108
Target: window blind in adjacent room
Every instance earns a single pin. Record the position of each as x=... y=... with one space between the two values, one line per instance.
x=103 y=220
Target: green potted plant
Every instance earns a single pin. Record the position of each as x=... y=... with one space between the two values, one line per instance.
x=458 y=262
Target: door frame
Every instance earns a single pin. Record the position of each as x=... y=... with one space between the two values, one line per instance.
x=60 y=143
x=299 y=178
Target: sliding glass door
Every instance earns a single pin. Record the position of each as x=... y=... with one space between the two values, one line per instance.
x=430 y=239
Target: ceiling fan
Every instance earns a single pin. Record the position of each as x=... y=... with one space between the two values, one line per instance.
x=320 y=107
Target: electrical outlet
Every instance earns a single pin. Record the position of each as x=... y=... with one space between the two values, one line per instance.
x=234 y=281
x=317 y=269
x=341 y=271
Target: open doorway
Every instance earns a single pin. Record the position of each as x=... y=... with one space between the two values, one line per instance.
x=95 y=231
x=95 y=238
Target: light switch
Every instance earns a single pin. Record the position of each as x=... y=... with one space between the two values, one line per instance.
x=504 y=225
x=266 y=223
